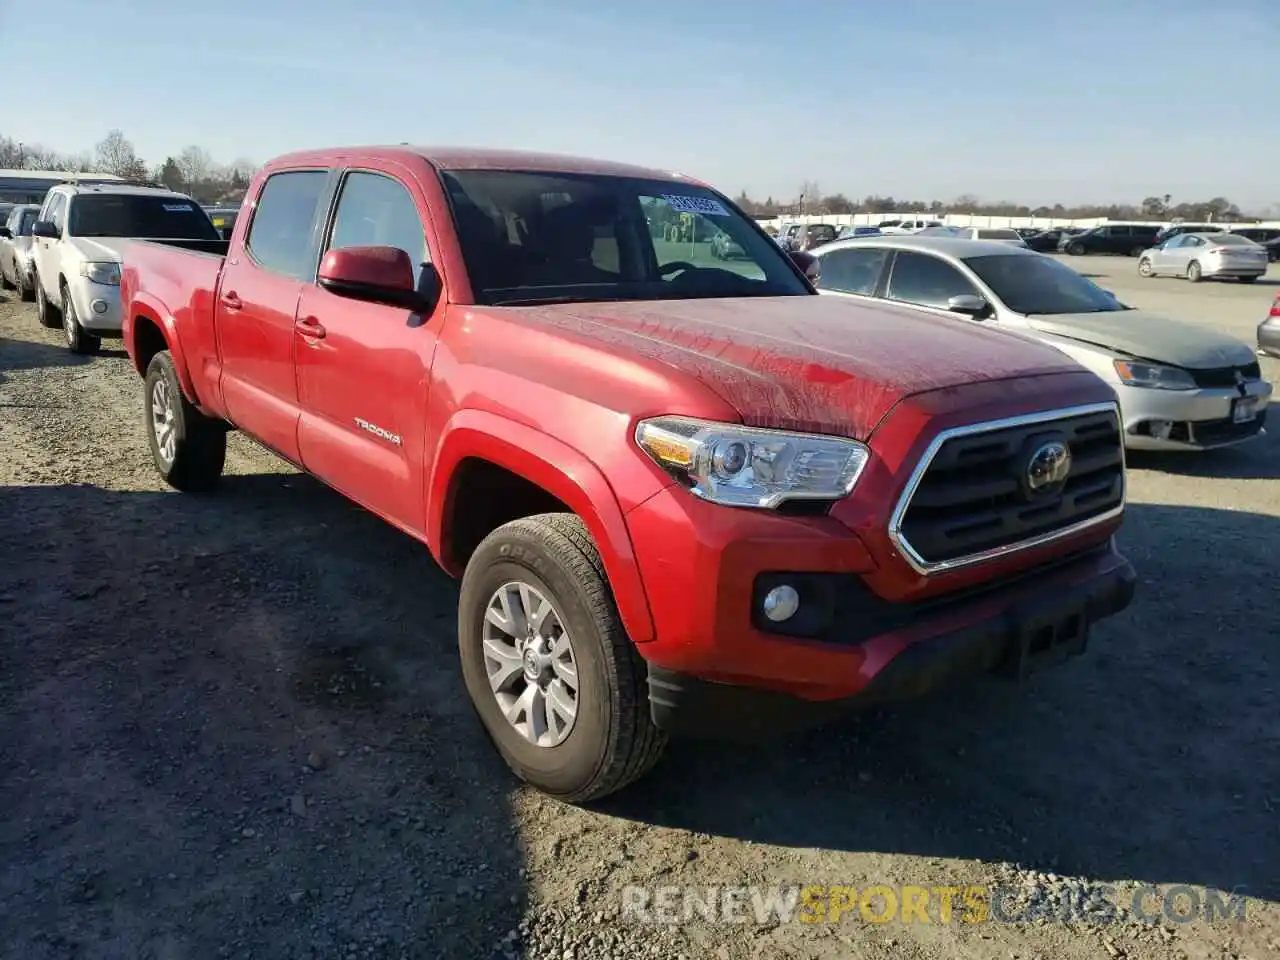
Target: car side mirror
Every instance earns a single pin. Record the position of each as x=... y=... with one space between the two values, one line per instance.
x=809 y=265
x=378 y=275
x=6 y=233
x=969 y=304
x=45 y=228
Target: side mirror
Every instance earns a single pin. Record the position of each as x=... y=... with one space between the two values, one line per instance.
x=374 y=275
x=47 y=229
x=809 y=265
x=6 y=233
x=969 y=304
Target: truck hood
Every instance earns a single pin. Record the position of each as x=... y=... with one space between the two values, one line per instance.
x=99 y=249
x=817 y=363
x=1148 y=336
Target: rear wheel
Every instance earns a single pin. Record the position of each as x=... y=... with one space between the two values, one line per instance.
x=48 y=315
x=1193 y=271
x=552 y=674
x=79 y=340
x=1075 y=249
x=188 y=448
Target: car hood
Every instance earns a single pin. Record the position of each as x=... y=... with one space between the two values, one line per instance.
x=100 y=249
x=1148 y=336
x=819 y=363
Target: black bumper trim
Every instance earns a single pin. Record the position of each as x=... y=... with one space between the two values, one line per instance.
x=1041 y=628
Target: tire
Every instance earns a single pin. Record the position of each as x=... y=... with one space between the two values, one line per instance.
x=1144 y=268
x=1248 y=279
x=79 y=340
x=26 y=291
x=193 y=462
x=612 y=740
x=1193 y=271
x=1075 y=249
x=48 y=315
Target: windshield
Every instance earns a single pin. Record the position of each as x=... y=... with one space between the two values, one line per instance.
x=531 y=237
x=139 y=217
x=1038 y=285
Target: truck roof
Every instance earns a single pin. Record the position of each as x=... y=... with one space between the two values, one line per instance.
x=484 y=158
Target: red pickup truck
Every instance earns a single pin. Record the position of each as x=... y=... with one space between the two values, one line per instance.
x=684 y=496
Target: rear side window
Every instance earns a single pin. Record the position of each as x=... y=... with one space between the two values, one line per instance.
x=376 y=211
x=284 y=222
x=852 y=271
x=920 y=278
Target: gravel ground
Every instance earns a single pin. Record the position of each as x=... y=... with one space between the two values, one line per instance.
x=234 y=726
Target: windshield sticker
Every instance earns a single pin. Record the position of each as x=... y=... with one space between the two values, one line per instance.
x=703 y=205
x=177 y=207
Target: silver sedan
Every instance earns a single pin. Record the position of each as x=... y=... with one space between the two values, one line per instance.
x=1205 y=256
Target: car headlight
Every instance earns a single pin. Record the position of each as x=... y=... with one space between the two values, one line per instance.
x=101 y=272
x=750 y=467
x=1135 y=374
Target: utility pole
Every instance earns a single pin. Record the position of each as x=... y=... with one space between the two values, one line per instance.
x=22 y=161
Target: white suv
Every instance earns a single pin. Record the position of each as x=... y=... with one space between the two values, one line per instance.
x=77 y=240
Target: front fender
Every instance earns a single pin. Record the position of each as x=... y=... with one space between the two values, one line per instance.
x=143 y=305
x=560 y=470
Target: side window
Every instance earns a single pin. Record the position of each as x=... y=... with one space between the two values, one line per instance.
x=57 y=214
x=1176 y=241
x=1190 y=241
x=920 y=278
x=280 y=236
x=376 y=211
x=852 y=271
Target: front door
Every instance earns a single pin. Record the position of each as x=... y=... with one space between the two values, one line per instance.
x=257 y=306
x=364 y=384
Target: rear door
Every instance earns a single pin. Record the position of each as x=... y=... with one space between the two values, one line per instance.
x=258 y=302
x=364 y=383
x=852 y=272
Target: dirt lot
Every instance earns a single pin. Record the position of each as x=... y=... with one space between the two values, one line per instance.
x=234 y=727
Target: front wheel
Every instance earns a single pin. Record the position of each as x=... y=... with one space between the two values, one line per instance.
x=1193 y=271
x=551 y=672
x=188 y=448
x=1144 y=268
x=79 y=340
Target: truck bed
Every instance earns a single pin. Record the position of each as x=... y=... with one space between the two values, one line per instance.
x=216 y=247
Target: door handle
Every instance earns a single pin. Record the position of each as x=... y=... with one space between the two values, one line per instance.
x=310 y=327
x=231 y=301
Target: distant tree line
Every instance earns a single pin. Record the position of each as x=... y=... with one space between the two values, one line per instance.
x=811 y=200
x=192 y=171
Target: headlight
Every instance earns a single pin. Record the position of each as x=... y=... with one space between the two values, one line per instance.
x=749 y=467
x=101 y=272
x=1134 y=374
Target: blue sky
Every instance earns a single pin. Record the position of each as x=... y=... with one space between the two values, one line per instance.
x=1077 y=101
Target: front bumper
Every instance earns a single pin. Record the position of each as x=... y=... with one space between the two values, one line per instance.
x=1014 y=630
x=97 y=305
x=1191 y=419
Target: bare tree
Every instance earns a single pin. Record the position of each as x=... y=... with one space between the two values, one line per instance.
x=196 y=165
x=115 y=154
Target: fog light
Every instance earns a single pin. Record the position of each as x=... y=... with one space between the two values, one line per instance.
x=781 y=603
x=99 y=306
x=1160 y=429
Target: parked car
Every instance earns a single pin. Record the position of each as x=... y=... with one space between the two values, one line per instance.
x=856 y=230
x=1205 y=256
x=662 y=484
x=910 y=225
x=78 y=238
x=1262 y=235
x=724 y=247
x=1180 y=386
x=1120 y=238
x=1273 y=249
x=806 y=236
x=1001 y=234
x=1048 y=241
x=224 y=219
x=1269 y=331
x=16 y=252
x=1177 y=229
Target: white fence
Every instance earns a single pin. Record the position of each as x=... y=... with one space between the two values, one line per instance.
x=966 y=220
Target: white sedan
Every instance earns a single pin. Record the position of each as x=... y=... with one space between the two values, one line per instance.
x=1180 y=386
